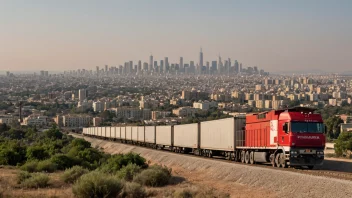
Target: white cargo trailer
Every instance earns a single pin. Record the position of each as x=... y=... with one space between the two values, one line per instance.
x=117 y=132
x=218 y=134
x=150 y=134
x=140 y=134
x=123 y=133
x=128 y=133
x=186 y=135
x=108 y=132
x=135 y=133
x=99 y=131
x=164 y=135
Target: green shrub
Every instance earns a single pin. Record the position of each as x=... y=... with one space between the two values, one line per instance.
x=30 y=166
x=128 y=172
x=37 y=180
x=46 y=166
x=72 y=174
x=22 y=175
x=154 y=176
x=63 y=161
x=80 y=143
x=133 y=190
x=97 y=184
x=36 y=153
x=90 y=155
x=343 y=144
x=116 y=162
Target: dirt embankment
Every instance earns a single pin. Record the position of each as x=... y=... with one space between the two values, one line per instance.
x=237 y=179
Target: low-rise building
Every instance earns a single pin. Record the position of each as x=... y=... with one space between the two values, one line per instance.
x=185 y=111
x=33 y=120
x=75 y=121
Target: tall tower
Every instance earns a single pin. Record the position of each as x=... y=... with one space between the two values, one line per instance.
x=166 y=65
x=200 y=67
x=151 y=63
x=220 y=65
x=181 y=63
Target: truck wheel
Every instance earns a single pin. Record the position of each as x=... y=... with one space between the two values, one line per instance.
x=277 y=160
x=246 y=157
x=251 y=157
x=242 y=156
x=282 y=160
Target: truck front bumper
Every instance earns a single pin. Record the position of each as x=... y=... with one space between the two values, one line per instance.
x=298 y=157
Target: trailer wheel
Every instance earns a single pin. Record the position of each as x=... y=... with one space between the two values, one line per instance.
x=242 y=156
x=310 y=167
x=251 y=157
x=246 y=157
x=210 y=154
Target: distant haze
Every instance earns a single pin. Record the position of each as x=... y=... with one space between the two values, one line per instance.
x=274 y=35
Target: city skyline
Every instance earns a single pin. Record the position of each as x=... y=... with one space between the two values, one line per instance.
x=274 y=35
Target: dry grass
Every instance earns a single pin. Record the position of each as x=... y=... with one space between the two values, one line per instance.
x=10 y=188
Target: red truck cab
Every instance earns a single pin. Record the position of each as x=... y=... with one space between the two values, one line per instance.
x=301 y=131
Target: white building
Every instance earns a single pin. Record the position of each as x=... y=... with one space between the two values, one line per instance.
x=206 y=105
x=76 y=120
x=38 y=121
x=6 y=119
x=98 y=106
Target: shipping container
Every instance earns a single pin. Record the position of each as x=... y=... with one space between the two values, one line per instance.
x=140 y=134
x=186 y=135
x=128 y=133
x=108 y=132
x=117 y=132
x=218 y=134
x=150 y=134
x=123 y=133
x=99 y=131
x=134 y=133
x=164 y=135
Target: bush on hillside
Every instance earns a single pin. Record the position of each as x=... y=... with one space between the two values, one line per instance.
x=63 y=161
x=46 y=166
x=154 y=176
x=30 y=166
x=22 y=175
x=36 y=180
x=116 y=162
x=97 y=184
x=36 y=153
x=128 y=172
x=72 y=174
x=133 y=190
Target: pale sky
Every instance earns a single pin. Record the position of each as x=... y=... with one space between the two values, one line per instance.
x=275 y=35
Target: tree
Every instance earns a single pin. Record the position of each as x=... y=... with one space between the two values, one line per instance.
x=343 y=144
x=333 y=128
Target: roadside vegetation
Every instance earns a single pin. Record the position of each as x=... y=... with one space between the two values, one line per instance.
x=40 y=157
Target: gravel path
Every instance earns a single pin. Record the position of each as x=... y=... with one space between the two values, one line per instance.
x=239 y=180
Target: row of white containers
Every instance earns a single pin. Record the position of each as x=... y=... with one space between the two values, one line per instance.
x=215 y=135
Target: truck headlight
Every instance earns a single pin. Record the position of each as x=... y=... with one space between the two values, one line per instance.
x=320 y=152
x=293 y=152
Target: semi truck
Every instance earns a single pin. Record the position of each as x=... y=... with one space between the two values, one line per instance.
x=290 y=137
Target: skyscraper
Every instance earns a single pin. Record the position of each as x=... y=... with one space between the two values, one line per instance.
x=181 y=64
x=200 y=66
x=166 y=62
x=161 y=69
x=139 y=68
x=151 y=63
x=237 y=69
x=220 y=70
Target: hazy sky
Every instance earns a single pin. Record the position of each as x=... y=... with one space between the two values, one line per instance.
x=274 y=35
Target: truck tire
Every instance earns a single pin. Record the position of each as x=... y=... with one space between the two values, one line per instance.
x=246 y=157
x=282 y=160
x=242 y=156
x=251 y=157
x=277 y=160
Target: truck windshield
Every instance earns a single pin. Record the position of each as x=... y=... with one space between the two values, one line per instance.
x=307 y=127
